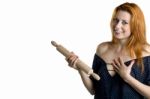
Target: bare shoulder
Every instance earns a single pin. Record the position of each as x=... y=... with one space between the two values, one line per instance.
x=102 y=48
x=147 y=50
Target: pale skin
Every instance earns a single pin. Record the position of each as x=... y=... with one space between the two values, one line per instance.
x=116 y=56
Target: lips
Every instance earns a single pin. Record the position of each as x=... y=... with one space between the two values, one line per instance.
x=116 y=32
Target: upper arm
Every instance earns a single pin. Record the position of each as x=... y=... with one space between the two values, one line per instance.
x=146 y=51
x=102 y=48
x=147 y=67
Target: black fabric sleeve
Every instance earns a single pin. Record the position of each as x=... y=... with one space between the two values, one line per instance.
x=147 y=70
x=95 y=68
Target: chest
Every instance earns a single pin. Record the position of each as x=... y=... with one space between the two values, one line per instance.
x=108 y=57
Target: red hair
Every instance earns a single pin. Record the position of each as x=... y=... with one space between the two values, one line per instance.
x=137 y=38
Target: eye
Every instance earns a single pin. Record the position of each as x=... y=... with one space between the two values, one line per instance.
x=124 y=22
x=115 y=20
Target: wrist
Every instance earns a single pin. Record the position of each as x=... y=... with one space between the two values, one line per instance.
x=127 y=78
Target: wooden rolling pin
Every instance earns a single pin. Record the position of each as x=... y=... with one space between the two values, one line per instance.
x=79 y=63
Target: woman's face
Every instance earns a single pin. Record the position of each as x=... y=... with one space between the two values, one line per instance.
x=121 y=25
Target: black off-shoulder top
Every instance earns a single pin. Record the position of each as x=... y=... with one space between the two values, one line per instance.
x=113 y=87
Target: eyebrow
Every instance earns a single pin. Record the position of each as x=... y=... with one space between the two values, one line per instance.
x=121 y=19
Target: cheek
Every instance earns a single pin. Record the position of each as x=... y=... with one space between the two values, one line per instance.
x=127 y=31
x=128 y=34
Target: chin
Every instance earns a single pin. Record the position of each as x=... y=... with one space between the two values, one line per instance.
x=117 y=36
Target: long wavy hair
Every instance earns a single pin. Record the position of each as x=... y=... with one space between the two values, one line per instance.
x=137 y=38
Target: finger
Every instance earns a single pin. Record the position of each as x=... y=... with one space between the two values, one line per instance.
x=74 y=64
x=121 y=61
x=69 y=60
x=116 y=68
x=116 y=61
x=73 y=60
x=131 y=64
x=71 y=55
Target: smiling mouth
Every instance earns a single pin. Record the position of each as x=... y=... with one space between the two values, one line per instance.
x=117 y=32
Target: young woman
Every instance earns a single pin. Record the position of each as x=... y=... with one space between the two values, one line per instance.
x=124 y=63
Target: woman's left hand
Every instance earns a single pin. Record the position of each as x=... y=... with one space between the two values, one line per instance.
x=122 y=69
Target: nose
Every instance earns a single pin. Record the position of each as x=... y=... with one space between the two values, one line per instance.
x=117 y=25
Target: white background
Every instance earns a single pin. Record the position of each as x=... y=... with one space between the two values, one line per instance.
x=30 y=67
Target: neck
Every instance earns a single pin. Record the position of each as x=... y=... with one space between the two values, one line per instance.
x=120 y=46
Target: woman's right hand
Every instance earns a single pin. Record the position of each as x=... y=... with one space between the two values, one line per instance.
x=72 y=59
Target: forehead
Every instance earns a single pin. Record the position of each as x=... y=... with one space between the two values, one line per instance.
x=123 y=15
